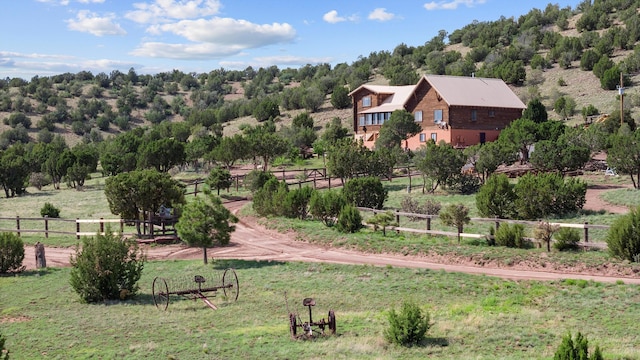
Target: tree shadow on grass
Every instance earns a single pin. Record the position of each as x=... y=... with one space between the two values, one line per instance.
x=434 y=341
x=221 y=264
x=396 y=187
x=37 y=272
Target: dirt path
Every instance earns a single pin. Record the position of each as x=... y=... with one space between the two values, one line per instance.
x=252 y=241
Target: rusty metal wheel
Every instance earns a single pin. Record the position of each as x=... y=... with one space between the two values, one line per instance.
x=332 y=322
x=160 y=292
x=293 y=326
x=230 y=284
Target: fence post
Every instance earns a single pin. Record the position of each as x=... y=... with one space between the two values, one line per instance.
x=101 y=225
x=283 y=174
x=586 y=232
x=299 y=184
x=46 y=226
x=195 y=189
x=18 y=224
x=497 y=224
x=397 y=218
x=121 y=226
x=150 y=224
x=237 y=181
x=314 y=182
x=429 y=224
x=329 y=182
x=409 y=173
x=77 y=228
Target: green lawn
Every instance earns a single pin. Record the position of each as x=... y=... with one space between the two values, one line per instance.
x=474 y=317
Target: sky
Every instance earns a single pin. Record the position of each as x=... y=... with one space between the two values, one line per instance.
x=50 y=37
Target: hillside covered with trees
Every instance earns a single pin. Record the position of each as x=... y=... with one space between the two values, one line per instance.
x=564 y=63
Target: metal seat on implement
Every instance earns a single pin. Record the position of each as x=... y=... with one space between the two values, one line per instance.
x=308 y=302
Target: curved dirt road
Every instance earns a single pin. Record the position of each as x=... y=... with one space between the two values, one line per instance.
x=252 y=241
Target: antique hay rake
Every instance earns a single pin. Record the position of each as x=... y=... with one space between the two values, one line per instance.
x=195 y=287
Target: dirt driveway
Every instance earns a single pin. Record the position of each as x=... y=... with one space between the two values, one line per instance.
x=252 y=241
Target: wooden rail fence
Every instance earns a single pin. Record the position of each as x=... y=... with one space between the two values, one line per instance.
x=429 y=218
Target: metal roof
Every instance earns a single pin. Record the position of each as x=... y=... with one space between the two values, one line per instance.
x=455 y=90
x=399 y=97
x=474 y=91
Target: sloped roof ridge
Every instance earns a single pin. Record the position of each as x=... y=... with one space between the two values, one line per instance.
x=474 y=91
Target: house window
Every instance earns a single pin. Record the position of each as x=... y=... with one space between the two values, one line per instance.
x=474 y=115
x=361 y=120
x=417 y=116
x=369 y=119
x=437 y=116
x=492 y=113
x=366 y=101
x=423 y=137
x=434 y=137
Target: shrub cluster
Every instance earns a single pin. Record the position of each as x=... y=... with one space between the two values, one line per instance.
x=577 y=349
x=566 y=239
x=49 y=210
x=349 y=220
x=533 y=197
x=428 y=207
x=326 y=206
x=4 y=353
x=623 y=239
x=511 y=236
x=11 y=253
x=365 y=192
x=106 y=267
x=407 y=327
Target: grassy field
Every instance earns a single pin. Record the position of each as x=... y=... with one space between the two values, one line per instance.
x=473 y=317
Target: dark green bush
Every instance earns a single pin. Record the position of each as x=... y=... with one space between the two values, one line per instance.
x=365 y=192
x=326 y=206
x=270 y=199
x=349 y=220
x=296 y=203
x=577 y=349
x=106 y=267
x=623 y=239
x=4 y=353
x=510 y=236
x=409 y=326
x=255 y=179
x=11 y=253
x=566 y=239
x=49 y=210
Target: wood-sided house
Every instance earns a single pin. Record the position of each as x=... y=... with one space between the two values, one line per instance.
x=462 y=111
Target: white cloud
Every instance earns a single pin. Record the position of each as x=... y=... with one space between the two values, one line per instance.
x=451 y=5
x=227 y=31
x=381 y=14
x=200 y=51
x=267 y=61
x=66 y=2
x=215 y=38
x=13 y=64
x=165 y=10
x=90 y=22
x=333 y=18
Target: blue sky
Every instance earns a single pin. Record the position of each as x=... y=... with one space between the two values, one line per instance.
x=49 y=37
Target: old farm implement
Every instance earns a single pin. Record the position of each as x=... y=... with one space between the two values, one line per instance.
x=305 y=330
x=195 y=287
